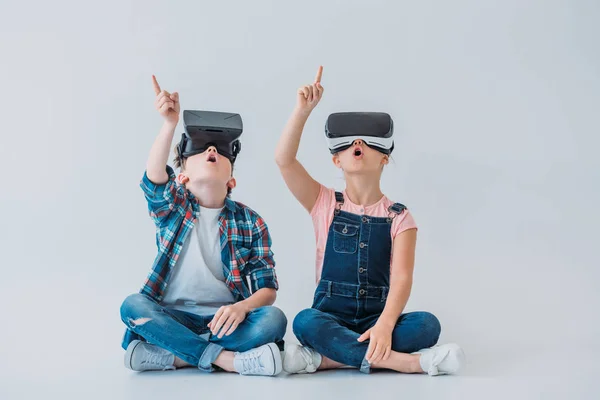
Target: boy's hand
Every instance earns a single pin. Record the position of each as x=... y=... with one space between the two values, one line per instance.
x=310 y=95
x=380 y=342
x=227 y=319
x=166 y=103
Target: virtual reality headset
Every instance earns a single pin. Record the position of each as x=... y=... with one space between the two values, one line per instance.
x=209 y=128
x=375 y=129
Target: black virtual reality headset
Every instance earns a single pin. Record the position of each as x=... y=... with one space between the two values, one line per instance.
x=376 y=129
x=210 y=128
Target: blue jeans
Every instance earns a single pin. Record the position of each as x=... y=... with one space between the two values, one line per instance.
x=179 y=332
x=336 y=338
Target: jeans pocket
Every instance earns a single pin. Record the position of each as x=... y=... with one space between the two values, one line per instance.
x=318 y=300
x=345 y=237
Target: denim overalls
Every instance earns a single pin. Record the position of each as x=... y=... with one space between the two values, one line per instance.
x=353 y=290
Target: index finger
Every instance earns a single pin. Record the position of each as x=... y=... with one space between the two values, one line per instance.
x=319 y=75
x=365 y=336
x=216 y=316
x=155 y=85
x=220 y=324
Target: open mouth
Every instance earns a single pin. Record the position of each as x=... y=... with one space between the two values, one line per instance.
x=211 y=158
x=357 y=152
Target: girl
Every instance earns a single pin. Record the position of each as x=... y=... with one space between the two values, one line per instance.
x=365 y=259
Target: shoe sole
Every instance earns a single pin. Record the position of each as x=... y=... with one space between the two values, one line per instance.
x=129 y=353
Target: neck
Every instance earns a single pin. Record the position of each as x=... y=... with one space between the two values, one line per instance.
x=208 y=195
x=363 y=189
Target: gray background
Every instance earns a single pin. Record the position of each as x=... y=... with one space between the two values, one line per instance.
x=495 y=104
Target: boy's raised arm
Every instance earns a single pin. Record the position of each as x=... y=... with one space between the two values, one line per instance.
x=168 y=106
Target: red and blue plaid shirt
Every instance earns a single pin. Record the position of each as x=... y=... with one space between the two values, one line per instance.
x=248 y=263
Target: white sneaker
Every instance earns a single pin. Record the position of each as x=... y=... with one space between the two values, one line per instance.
x=443 y=359
x=301 y=360
x=142 y=356
x=264 y=360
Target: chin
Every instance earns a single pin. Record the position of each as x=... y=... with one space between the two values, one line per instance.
x=354 y=170
x=205 y=180
x=360 y=170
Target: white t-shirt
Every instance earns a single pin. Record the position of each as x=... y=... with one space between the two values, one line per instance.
x=197 y=283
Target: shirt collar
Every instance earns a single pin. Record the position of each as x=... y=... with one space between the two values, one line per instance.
x=230 y=204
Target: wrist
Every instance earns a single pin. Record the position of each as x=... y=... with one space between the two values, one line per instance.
x=171 y=123
x=244 y=307
x=300 y=112
x=387 y=321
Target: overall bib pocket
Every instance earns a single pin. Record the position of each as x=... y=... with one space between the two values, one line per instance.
x=345 y=237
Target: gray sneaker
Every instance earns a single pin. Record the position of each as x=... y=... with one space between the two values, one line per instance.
x=142 y=356
x=264 y=360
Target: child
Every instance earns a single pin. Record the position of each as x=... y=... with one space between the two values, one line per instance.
x=207 y=301
x=365 y=256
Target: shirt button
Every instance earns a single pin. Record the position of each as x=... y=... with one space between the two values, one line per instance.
x=361 y=270
x=362 y=210
x=362 y=245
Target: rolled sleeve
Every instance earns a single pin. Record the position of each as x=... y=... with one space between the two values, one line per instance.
x=264 y=278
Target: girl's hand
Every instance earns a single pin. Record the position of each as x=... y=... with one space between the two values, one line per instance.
x=380 y=342
x=166 y=103
x=309 y=96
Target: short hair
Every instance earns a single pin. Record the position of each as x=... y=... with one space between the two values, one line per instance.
x=177 y=162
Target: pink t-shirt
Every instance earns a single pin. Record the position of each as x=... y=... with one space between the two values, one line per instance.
x=322 y=216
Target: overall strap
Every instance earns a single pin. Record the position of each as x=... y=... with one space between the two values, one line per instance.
x=339 y=201
x=395 y=210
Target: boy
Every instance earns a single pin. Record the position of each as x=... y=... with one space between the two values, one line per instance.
x=207 y=301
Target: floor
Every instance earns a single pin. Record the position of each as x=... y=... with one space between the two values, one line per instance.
x=516 y=372
x=64 y=344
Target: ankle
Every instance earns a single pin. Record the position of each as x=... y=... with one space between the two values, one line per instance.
x=225 y=361
x=327 y=363
x=179 y=363
x=415 y=365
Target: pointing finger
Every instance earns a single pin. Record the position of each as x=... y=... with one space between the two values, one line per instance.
x=319 y=74
x=155 y=85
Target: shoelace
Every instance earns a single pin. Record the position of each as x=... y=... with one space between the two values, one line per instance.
x=251 y=363
x=160 y=359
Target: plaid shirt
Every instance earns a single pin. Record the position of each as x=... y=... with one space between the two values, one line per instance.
x=248 y=263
